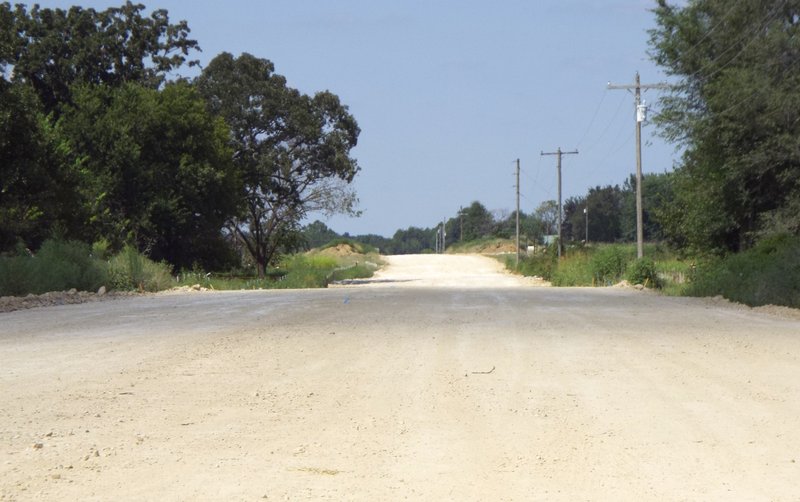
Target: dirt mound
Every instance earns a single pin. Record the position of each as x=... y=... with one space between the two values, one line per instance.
x=780 y=311
x=500 y=246
x=343 y=249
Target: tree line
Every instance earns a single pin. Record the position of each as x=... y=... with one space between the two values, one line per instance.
x=611 y=218
x=101 y=142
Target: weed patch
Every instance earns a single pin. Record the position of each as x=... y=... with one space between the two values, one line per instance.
x=769 y=273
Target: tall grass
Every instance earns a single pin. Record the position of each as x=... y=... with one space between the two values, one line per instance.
x=130 y=270
x=61 y=265
x=598 y=265
x=301 y=271
x=769 y=273
x=574 y=271
x=58 y=266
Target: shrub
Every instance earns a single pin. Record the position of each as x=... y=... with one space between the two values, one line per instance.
x=59 y=265
x=359 y=271
x=130 y=270
x=15 y=275
x=574 y=269
x=62 y=265
x=608 y=264
x=643 y=271
x=541 y=265
x=769 y=273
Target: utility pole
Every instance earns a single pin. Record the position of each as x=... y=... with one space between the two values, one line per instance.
x=517 y=213
x=586 y=213
x=444 y=235
x=641 y=114
x=461 y=224
x=558 y=153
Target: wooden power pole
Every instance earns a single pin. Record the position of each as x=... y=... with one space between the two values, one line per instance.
x=517 y=213
x=558 y=153
x=640 y=115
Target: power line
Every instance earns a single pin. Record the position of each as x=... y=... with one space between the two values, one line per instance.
x=608 y=125
x=619 y=147
x=594 y=116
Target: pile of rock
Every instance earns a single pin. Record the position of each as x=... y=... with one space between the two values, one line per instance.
x=11 y=303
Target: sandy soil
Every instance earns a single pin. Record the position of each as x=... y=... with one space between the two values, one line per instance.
x=401 y=389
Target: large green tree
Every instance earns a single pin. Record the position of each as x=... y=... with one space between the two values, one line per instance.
x=477 y=222
x=291 y=150
x=604 y=205
x=736 y=110
x=413 y=240
x=547 y=213
x=657 y=196
x=155 y=170
x=56 y=62
x=53 y=49
x=35 y=192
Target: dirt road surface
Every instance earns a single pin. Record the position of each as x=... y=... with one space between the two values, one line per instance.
x=411 y=387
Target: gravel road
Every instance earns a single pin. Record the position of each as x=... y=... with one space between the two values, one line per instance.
x=441 y=379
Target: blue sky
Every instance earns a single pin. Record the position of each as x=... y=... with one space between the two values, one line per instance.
x=448 y=93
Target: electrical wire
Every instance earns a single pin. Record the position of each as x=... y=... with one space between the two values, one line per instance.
x=623 y=99
x=594 y=116
x=618 y=148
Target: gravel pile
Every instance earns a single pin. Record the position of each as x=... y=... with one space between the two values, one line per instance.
x=12 y=303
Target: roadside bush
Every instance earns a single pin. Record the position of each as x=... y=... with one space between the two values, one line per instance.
x=643 y=271
x=62 y=265
x=355 y=272
x=303 y=271
x=58 y=266
x=574 y=269
x=608 y=264
x=15 y=275
x=130 y=270
x=540 y=265
x=769 y=273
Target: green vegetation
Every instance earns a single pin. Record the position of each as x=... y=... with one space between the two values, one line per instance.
x=63 y=265
x=736 y=111
x=606 y=265
x=769 y=273
x=131 y=271
x=100 y=142
x=308 y=270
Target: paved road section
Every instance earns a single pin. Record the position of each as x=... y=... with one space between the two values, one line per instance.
x=399 y=390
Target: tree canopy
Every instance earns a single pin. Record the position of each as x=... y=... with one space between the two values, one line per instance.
x=154 y=169
x=736 y=110
x=291 y=150
x=52 y=49
x=100 y=141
